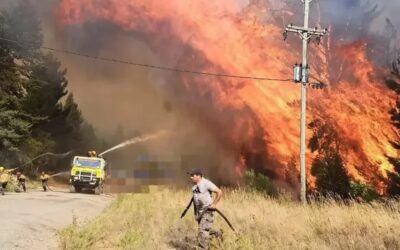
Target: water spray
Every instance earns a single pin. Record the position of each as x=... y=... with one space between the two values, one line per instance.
x=60 y=173
x=135 y=140
x=62 y=155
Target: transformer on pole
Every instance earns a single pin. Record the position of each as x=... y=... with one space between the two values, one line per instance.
x=301 y=75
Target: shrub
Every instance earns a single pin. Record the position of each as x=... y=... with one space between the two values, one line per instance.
x=359 y=190
x=260 y=183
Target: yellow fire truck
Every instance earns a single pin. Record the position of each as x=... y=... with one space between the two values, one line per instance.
x=88 y=172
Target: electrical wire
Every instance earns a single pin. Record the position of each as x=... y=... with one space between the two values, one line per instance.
x=145 y=65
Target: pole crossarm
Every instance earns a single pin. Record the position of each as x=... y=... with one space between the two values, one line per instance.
x=311 y=31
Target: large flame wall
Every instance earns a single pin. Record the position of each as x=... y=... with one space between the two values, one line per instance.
x=255 y=117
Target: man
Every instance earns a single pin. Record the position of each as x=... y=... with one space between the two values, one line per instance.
x=4 y=178
x=44 y=178
x=203 y=205
x=21 y=182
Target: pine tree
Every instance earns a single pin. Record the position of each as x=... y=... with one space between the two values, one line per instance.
x=331 y=175
x=328 y=166
x=46 y=86
x=15 y=124
x=33 y=119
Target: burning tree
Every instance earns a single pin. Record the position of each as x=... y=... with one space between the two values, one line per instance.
x=255 y=119
x=394 y=84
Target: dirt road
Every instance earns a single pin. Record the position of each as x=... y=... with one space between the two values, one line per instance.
x=30 y=220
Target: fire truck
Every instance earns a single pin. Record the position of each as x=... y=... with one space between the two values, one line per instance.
x=88 y=172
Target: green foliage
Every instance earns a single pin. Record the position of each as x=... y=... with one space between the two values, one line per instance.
x=331 y=175
x=363 y=191
x=260 y=183
x=46 y=86
x=33 y=118
x=328 y=166
x=15 y=125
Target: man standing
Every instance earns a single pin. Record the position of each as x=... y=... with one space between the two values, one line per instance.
x=203 y=205
x=44 y=178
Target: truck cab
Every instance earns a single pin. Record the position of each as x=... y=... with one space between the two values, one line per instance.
x=87 y=172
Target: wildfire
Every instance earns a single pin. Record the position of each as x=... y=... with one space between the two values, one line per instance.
x=257 y=118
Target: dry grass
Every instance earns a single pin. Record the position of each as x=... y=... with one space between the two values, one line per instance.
x=30 y=184
x=151 y=221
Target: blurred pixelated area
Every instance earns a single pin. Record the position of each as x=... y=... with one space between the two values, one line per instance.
x=147 y=172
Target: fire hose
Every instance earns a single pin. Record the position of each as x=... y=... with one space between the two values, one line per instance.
x=57 y=174
x=208 y=209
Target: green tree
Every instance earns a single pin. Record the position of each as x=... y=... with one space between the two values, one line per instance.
x=328 y=166
x=33 y=117
x=331 y=175
x=69 y=131
x=46 y=86
x=15 y=124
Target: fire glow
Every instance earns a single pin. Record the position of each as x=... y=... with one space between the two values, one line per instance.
x=221 y=36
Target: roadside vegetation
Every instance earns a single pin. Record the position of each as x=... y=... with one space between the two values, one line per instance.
x=151 y=221
x=30 y=184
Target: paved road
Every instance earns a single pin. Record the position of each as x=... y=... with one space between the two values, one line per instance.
x=30 y=220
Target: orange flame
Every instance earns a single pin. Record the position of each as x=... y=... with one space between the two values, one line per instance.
x=222 y=37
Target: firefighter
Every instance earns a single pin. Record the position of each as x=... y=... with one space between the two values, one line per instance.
x=21 y=182
x=91 y=154
x=203 y=204
x=4 y=178
x=44 y=178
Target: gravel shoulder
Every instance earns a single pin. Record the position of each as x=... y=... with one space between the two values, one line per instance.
x=31 y=220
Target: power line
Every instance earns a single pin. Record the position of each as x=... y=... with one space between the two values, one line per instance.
x=144 y=65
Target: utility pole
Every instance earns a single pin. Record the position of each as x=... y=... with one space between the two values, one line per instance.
x=301 y=75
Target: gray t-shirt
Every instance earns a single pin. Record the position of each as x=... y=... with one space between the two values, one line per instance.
x=202 y=194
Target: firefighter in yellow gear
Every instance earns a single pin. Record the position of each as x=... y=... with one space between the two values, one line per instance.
x=21 y=182
x=92 y=153
x=4 y=178
x=44 y=178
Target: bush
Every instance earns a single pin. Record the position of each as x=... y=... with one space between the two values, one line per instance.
x=359 y=190
x=260 y=183
x=330 y=174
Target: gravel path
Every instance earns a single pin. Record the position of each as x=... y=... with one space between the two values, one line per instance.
x=31 y=220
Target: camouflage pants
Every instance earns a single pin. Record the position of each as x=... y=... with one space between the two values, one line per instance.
x=205 y=230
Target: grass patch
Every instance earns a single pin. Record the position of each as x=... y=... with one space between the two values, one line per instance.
x=151 y=221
